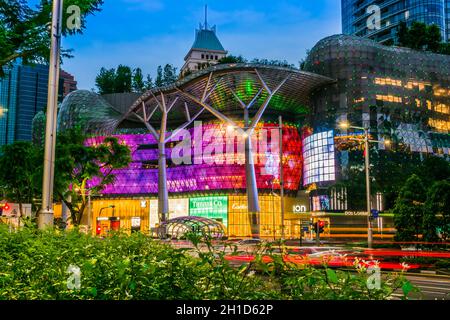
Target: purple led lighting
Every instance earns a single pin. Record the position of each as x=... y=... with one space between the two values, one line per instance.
x=141 y=176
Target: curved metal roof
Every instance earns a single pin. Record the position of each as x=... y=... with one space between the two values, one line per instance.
x=180 y=225
x=226 y=81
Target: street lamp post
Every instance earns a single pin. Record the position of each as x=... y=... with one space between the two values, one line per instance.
x=366 y=140
x=367 y=165
x=280 y=120
x=45 y=217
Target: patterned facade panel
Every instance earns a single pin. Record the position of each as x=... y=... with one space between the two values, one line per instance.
x=382 y=87
x=216 y=165
x=358 y=17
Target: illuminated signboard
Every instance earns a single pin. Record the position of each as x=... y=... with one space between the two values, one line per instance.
x=298 y=208
x=319 y=160
x=320 y=203
x=177 y=208
x=215 y=208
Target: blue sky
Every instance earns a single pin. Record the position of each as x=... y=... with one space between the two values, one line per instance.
x=147 y=33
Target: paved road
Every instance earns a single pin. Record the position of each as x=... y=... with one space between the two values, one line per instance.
x=432 y=287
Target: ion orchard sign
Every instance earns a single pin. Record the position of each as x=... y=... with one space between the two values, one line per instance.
x=298 y=208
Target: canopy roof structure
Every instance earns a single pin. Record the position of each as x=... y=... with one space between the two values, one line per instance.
x=226 y=86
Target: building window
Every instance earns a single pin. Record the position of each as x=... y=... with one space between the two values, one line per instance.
x=203 y=56
x=319 y=160
x=217 y=58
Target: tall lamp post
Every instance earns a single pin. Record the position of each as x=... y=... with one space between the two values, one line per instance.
x=366 y=140
x=280 y=128
x=45 y=216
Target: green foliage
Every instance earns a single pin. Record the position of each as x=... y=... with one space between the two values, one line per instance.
x=276 y=63
x=138 y=80
x=24 y=28
x=389 y=171
x=116 y=81
x=420 y=36
x=170 y=74
x=106 y=81
x=77 y=163
x=35 y=266
x=232 y=59
x=437 y=212
x=240 y=59
x=148 y=83
x=123 y=79
x=409 y=209
x=19 y=180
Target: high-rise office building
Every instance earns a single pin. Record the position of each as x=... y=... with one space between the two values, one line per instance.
x=447 y=17
x=23 y=93
x=379 y=19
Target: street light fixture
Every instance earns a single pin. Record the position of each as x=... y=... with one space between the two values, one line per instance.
x=366 y=140
x=111 y=206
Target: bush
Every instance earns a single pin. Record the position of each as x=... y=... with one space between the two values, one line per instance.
x=35 y=265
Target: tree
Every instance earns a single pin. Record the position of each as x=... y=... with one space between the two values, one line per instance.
x=123 y=79
x=159 y=82
x=138 y=80
x=434 y=38
x=19 y=179
x=232 y=59
x=277 y=63
x=420 y=36
x=170 y=74
x=444 y=48
x=390 y=169
x=149 y=83
x=434 y=169
x=408 y=210
x=402 y=34
x=24 y=29
x=437 y=212
x=81 y=170
x=106 y=81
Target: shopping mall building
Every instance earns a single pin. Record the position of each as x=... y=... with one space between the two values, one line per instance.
x=209 y=145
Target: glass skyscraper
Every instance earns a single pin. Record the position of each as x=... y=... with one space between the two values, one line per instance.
x=357 y=15
x=23 y=93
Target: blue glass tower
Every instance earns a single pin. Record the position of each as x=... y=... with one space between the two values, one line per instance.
x=23 y=93
x=447 y=18
x=356 y=13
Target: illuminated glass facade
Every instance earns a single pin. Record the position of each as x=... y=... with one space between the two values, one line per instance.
x=355 y=16
x=319 y=160
x=141 y=177
x=447 y=19
x=398 y=92
x=8 y=104
x=23 y=94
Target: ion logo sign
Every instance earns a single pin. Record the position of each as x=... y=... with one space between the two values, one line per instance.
x=299 y=208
